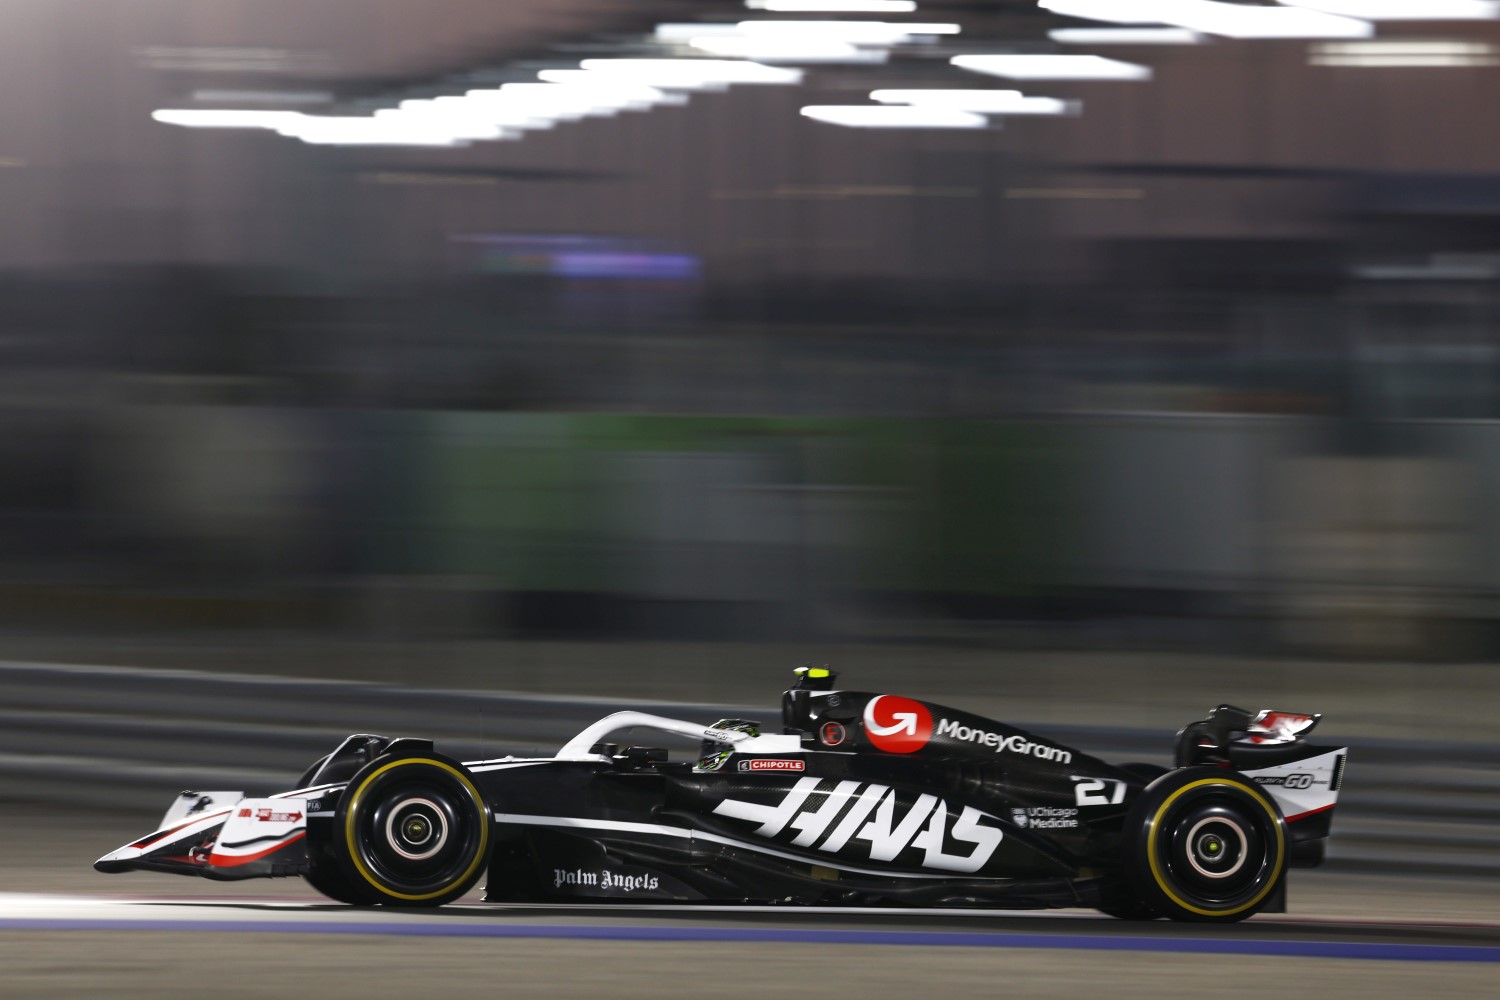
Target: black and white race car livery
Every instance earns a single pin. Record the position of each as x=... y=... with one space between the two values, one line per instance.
x=862 y=799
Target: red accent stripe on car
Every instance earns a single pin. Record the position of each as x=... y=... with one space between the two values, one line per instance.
x=1310 y=812
x=162 y=835
x=232 y=861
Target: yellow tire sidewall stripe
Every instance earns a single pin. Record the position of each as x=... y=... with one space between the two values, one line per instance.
x=1156 y=828
x=353 y=812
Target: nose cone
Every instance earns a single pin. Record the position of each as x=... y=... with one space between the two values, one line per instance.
x=122 y=860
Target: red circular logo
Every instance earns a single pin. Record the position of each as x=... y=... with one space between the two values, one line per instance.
x=832 y=734
x=897 y=725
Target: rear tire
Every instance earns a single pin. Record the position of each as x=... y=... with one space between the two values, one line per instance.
x=1204 y=844
x=410 y=831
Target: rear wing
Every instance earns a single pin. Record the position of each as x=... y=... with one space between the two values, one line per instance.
x=1211 y=740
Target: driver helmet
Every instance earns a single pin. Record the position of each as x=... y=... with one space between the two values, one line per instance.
x=712 y=754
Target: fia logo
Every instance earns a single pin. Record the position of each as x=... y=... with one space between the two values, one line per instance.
x=851 y=813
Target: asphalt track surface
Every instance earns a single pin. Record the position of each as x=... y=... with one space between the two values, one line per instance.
x=68 y=931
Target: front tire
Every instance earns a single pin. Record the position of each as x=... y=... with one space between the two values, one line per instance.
x=1204 y=844
x=413 y=831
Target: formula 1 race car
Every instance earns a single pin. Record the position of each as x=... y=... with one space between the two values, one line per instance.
x=861 y=800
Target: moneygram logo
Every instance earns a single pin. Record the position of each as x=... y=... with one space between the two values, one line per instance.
x=1014 y=743
x=897 y=725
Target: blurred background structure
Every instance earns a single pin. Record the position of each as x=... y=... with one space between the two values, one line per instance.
x=1200 y=353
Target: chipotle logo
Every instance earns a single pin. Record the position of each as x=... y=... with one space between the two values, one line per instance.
x=897 y=725
x=772 y=764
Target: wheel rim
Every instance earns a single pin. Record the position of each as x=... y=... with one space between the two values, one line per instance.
x=1216 y=847
x=416 y=828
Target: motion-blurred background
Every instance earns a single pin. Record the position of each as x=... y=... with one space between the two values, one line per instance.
x=1208 y=358
x=524 y=346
